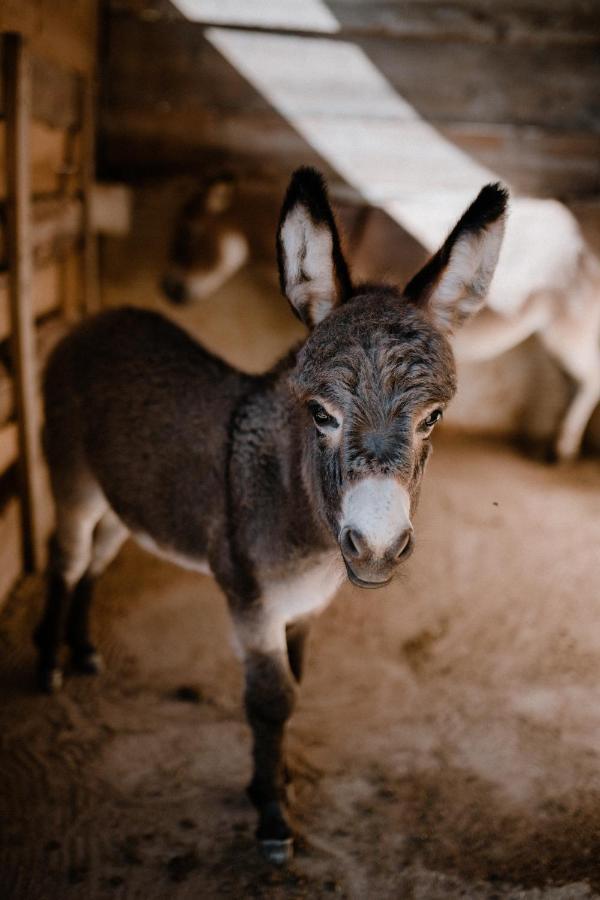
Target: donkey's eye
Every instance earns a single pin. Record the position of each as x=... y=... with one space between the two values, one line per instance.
x=321 y=417
x=433 y=417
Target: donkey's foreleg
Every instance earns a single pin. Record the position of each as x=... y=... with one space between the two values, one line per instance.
x=270 y=696
x=84 y=656
x=49 y=633
x=296 y=637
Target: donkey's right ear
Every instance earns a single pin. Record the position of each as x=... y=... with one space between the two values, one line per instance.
x=312 y=270
x=453 y=285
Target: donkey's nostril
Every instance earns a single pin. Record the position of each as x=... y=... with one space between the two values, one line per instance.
x=403 y=542
x=352 y=543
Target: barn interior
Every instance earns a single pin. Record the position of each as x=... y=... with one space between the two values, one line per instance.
x=446 y=740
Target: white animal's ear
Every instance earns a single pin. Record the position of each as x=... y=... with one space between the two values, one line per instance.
x=312 y=270
x=453 y=285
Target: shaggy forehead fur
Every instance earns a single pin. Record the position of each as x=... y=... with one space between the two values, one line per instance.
x=377 y=356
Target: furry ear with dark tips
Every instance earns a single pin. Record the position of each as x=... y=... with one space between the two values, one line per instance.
x=453 y=285
x=313 y=273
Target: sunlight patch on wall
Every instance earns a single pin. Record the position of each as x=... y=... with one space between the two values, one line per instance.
x=308 y=15
x=342 y=105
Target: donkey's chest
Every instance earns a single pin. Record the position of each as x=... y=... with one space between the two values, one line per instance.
x=303 y=590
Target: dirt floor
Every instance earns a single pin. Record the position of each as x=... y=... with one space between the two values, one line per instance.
x=447 y=742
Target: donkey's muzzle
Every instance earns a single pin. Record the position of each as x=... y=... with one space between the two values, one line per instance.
x=366 y=567
x=375 y=529
x=174 y=289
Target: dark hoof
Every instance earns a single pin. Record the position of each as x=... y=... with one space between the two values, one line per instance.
x=49 y=679
x=277 y=852
x=87 y=663
x=275 y=837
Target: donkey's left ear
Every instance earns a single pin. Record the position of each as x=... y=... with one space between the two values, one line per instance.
x=453 y=285
x=312 y=270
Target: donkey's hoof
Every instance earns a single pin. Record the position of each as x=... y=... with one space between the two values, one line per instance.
x=277 y=852
x=87 y=663
x=49 y=679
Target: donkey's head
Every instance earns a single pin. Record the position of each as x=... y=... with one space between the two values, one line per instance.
x=208 y=247
x=377 y=370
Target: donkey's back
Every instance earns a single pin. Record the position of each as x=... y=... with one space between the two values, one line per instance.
x=133 y=405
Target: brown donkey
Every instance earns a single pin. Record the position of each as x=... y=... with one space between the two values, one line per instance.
x=279 y=484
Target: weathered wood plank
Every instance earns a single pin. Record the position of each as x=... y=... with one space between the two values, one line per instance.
x=55 y=159
x=534 y=161
x=46 y=291
x=56 y=225
x=17 y=86
x=9 y=446
x=91 y=278
x=540 y=133
x=7 y=395
x=525 y=21
x=499 y=84
x=64 y=32
x=72 y=285
x=55 y=100
x=10 y=549
x=55 y=95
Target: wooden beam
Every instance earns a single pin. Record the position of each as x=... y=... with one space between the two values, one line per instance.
x=523 y=22
x=55 y=94
x=64 y=32
x=91 y=297
x=17 y=105
x=45 y=294
x=56 y=225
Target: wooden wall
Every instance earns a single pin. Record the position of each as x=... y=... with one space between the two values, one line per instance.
x=514 y=84
x=47 y=251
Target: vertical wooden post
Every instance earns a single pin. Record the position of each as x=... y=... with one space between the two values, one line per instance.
x=17 y=106
x=91 y=293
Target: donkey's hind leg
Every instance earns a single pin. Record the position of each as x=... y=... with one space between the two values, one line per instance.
x=70 y=556
x=108 y=537
x=578 y=415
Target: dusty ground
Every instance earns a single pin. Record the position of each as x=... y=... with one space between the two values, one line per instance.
x=447 y=742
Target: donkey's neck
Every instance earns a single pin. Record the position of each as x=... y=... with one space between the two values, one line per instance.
x=272 y=511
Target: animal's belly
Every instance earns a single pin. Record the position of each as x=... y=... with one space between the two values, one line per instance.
x=180 y=559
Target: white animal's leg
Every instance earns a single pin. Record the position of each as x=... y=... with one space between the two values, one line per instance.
x=574 y=340
x=578 y=415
